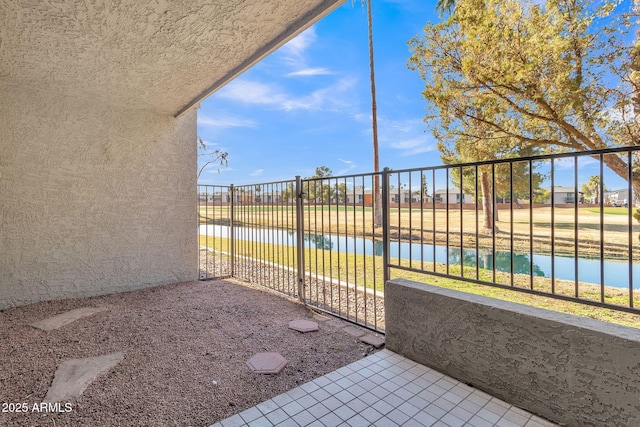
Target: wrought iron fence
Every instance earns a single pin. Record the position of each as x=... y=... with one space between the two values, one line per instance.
x=560 y=226
x=215 y=219
x=343 y=248
x=311 y=239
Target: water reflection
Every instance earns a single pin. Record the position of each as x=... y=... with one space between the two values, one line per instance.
x=319 y=241
x=521 y=262
x=588 y=270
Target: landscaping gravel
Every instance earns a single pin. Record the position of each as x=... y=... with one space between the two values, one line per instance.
x=185 y=350
x=345 y=300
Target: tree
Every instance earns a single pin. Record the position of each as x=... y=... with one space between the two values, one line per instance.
x=217 y=156
x=289 y=193
x=318 y=187
x=340 y=192
x=377 y=190
x=424 y=187
x=445 y=6
x=635 y=64
x=540 y=196
x=591 y=189
x=556 y=77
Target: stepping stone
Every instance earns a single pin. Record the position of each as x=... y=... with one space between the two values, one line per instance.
x=352 y=330
x=60 y=320
x=74 y=376
x=373 y=340
x=303 y=325
x=267 y=363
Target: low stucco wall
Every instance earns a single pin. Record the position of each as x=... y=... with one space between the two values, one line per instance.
x=96 y=198
x=571 y=370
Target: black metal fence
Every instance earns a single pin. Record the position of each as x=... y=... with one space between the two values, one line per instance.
x=310 y=239
x=560 y=226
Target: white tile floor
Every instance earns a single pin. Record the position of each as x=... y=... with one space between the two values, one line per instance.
x=384 y=389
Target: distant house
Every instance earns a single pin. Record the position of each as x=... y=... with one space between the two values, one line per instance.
x=564 y=195
x=441 y=196
x=357 y=195
x=215 y=196
x=616 y=197
x=403 y=196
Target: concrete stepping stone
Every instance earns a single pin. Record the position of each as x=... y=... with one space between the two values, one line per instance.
x=267 y=363
x=373 y=340
x=60 y=320
x=303 y=325
x=74 y=376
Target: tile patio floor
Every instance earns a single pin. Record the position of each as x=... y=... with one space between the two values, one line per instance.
x=384 y=389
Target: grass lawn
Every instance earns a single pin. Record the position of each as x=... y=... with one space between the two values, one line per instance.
x=367 y=271
x=519 y=229
x=608 y=210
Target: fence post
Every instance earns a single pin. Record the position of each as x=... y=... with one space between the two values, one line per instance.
x=232 y=232
x=385 y=225
x=300 y=238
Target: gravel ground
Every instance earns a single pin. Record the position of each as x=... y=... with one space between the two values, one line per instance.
x=177 y=340
x=365 y=308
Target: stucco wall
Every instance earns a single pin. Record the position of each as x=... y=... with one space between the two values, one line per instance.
x=95 y=199
x=571 y=370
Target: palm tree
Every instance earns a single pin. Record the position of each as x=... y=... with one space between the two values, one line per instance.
x=592 y=188
x=447 y=6
x=635 y=66
x=377 y=194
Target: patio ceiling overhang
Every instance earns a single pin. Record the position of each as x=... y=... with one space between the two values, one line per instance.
x=160 y=55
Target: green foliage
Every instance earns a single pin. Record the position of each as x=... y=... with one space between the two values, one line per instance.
x=591 y=189
x=340 y=191
x=289 y=193
x=322 y=172
x=541 y=195
x=445 y=6
x=319 y=189
x=505 y=77
x=424 y=187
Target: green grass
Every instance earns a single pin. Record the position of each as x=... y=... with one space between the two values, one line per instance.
x=367 y=271
x=608 y=210
x=276 y=207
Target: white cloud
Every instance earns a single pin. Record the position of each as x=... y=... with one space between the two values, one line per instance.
x=310 y=72
x=252 y=92
x=225 y=121
x=407 y=136
x=329 y=98
x=568 y=163
x=257 y=172
x=413 y=146
x=294 y=56
x=350 y=165
x=296 y=47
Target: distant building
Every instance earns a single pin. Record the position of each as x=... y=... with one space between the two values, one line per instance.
x=441 y=196
x=616 y=197
x=564 y=195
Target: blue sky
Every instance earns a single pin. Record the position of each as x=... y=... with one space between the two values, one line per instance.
x=308 y=104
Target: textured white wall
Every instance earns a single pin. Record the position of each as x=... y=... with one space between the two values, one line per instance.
x=94 y=199
x=571 y=370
